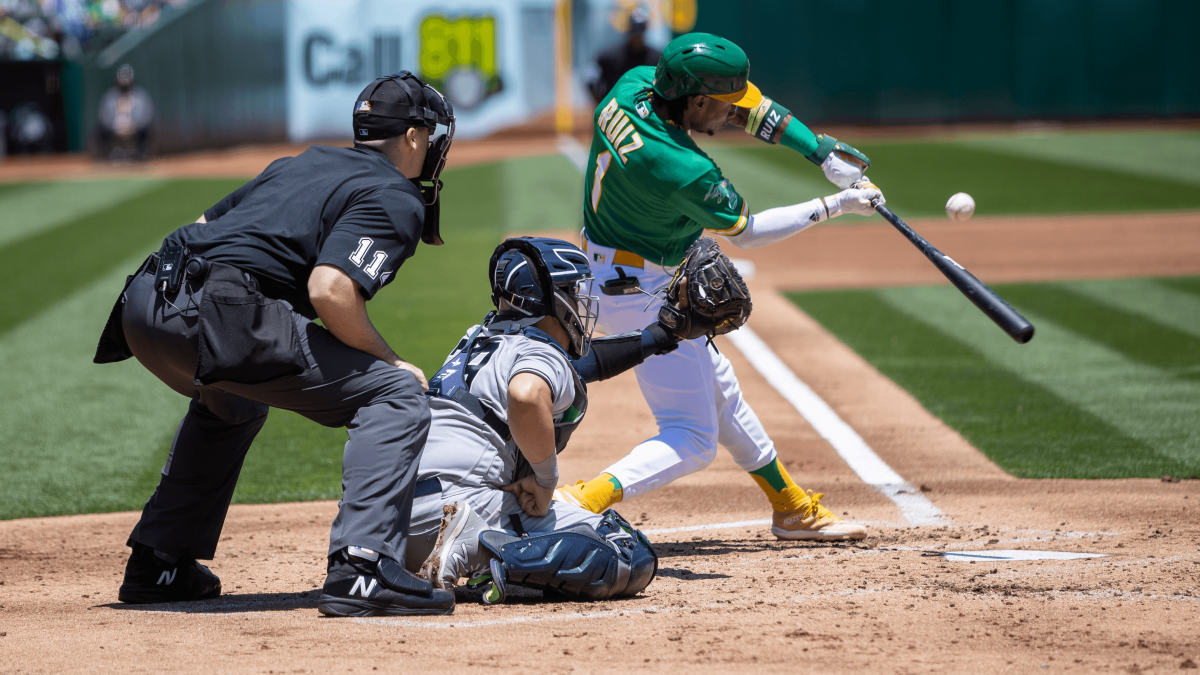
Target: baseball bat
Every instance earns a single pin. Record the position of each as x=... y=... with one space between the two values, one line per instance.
x=996 y=309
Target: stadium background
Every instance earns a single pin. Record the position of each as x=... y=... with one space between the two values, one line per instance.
x=1072 y=123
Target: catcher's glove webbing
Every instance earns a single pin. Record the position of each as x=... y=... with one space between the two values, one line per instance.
x=718 y=300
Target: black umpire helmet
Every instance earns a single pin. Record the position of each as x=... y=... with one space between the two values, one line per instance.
x=387 y=108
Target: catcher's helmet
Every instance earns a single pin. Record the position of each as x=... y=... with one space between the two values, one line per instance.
x=521 y=271
x=700 y=63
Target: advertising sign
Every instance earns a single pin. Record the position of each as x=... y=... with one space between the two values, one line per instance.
x=471 y=52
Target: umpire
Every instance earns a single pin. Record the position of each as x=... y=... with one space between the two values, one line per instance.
x=224 y=314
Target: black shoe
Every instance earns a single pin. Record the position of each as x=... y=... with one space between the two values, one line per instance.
x=360 y=587
x=150 y=578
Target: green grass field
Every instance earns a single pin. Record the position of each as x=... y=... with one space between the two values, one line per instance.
x=76 y=438
x=1108 y=388
x=1063 y=173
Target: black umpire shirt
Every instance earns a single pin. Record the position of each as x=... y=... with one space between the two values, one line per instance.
x=346 y=207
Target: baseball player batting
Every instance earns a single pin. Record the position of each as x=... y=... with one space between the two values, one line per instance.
x=649 y=193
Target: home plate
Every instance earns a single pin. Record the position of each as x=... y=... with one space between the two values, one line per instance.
x=965 y=556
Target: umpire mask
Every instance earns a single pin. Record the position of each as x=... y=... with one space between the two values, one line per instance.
x=388 y=107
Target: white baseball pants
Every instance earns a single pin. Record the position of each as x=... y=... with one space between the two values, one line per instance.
x=693 y=392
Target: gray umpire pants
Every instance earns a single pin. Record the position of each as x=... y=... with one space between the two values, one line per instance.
x=383 y=408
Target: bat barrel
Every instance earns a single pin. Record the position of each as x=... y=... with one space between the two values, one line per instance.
x=1010 y=320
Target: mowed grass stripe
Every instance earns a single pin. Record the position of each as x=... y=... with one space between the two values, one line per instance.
x=46 y=205
x=1144 y=402
x=1137 y=337
x=78 y=437
x=540 y=193
x=918 y=178
x=40 y=270
x=1186 y=284
x=1174 y=155
x=10 y=189
x=1025 y=428
x=1154 y=299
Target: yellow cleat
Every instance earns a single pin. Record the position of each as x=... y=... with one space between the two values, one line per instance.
x=811 y=521
x=596 y=495
x=571 y=494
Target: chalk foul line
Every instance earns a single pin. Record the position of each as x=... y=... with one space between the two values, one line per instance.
x=574 y=151
x=849 y=445
x=711 y=526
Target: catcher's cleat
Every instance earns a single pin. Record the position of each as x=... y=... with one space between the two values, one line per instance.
x=153 y=577
x=456 y=553
x=363 y=583
x=495 y=586
x=812 y=521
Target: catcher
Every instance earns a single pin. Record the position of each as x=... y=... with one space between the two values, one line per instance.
x=649 y=193
x=505 y=404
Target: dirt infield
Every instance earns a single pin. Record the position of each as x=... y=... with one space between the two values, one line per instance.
x=729 y=597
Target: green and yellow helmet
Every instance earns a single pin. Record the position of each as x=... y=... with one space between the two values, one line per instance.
x=700 y=63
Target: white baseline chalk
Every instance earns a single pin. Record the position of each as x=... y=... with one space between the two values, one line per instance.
x=574 y=151
x=849 y=445
x=712 y=526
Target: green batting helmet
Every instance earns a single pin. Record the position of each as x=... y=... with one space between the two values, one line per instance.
x=700 y=63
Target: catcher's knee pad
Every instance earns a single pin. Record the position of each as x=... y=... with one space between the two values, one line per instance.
x=608 y=561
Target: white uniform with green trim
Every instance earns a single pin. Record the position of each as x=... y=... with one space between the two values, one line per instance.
x=651 y=190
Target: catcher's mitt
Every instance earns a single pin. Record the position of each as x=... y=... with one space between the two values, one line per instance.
x=718 y=300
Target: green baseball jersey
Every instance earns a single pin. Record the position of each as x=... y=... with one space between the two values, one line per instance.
x=649 y=189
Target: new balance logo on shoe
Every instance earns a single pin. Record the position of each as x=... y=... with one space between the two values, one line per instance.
x=167 y=577
x=360 y=586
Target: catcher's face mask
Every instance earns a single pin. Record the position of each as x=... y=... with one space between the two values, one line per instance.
x=411 y=103
x=576 y=311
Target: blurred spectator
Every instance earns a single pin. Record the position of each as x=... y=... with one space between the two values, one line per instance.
x=125 y=119
x=629 y=53
x=29 y=131
x=49 y=29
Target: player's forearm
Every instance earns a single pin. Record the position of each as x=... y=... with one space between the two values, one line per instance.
x=344 y=312
x=775 y=225
x=612 y=355
x=531 y=422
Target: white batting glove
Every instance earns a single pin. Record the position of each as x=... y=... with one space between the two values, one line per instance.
x=842 y=170
x=856 y=200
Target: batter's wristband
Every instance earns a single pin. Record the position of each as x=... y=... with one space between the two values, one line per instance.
x=765 y=119
x=545 y=472
x=824 y=146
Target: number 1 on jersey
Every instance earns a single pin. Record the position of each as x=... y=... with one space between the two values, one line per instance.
x=360 y=253
x=602 y=162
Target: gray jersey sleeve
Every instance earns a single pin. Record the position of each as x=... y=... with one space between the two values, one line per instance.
x=550 y=365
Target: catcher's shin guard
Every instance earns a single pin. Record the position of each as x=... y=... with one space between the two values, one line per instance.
x=609 y=561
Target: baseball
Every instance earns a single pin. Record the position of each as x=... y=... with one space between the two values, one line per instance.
x=960 y=207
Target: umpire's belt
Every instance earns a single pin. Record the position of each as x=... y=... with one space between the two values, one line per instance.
x=612 y=256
